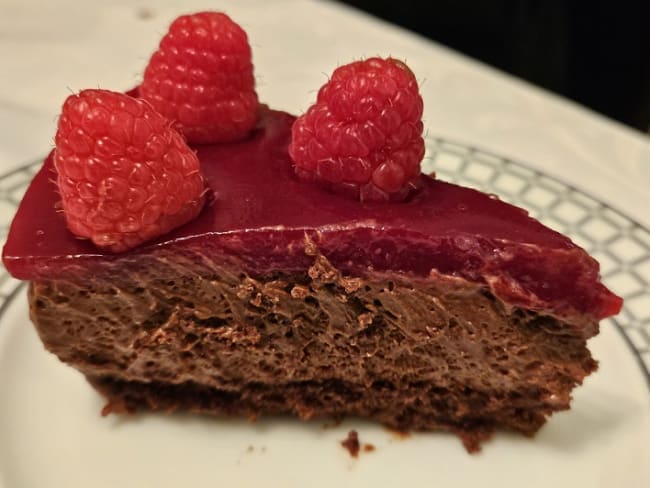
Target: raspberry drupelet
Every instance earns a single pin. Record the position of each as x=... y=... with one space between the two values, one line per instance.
x=202 y=78
x=363 y=136
x=124 y=175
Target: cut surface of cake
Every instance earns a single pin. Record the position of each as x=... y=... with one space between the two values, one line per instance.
x=450 y=310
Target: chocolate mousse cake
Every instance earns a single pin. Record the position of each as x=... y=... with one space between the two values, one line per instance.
x=431 y=307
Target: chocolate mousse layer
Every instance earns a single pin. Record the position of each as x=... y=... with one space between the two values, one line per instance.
x=187 y=331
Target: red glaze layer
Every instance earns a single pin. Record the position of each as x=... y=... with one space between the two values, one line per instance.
x=260 y=212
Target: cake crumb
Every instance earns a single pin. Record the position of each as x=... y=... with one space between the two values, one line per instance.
x=352 y=443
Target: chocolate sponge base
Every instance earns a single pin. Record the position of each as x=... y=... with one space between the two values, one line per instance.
x=426 y=407
x=179 y=332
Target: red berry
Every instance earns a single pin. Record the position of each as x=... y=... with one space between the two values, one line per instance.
x=201 y=77
x=124 y=175
x=363 y=136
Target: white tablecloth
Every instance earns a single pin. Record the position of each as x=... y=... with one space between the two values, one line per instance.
x=49 y=49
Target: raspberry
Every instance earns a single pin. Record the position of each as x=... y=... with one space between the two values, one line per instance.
x=363 y=136
x=124 y=175
x=201 y=77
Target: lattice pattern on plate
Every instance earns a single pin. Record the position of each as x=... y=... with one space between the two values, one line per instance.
x=621 y=245
x=12 y=188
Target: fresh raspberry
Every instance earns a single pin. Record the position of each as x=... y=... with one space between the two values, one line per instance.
x=201 y=77
x=363 y=136
x=124 y=175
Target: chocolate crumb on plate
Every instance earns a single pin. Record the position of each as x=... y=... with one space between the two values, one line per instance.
x=352 y=443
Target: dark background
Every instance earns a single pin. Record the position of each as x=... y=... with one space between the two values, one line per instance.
x=596 y=53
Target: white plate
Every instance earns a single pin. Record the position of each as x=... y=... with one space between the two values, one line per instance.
x=52 y=435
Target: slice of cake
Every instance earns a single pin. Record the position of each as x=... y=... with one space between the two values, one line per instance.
x=331 y=282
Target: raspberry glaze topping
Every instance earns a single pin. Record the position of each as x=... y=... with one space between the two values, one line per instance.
x=259 y=213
